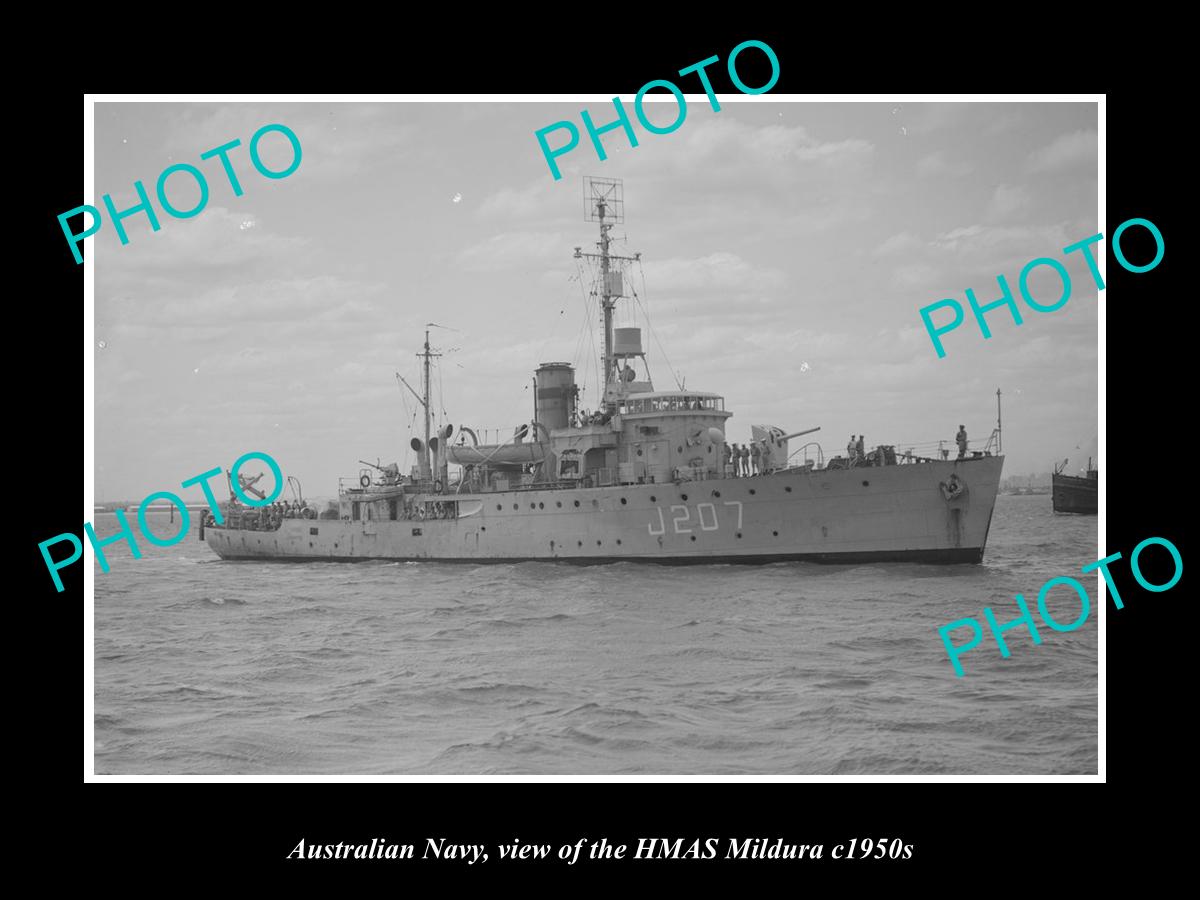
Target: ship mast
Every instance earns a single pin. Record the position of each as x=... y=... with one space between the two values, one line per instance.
x=604 y=201
x=999 y=431
x=426 y=462
x=605 y=286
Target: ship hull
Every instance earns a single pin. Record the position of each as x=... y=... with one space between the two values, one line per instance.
x=872 y=514
x=1074 y=495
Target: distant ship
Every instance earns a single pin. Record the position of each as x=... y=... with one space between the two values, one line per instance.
x=1073 y=493
x=645 y=477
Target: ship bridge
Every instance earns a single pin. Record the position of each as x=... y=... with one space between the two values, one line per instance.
x=650 y=436
x=671 y=402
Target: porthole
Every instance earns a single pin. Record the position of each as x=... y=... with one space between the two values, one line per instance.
x=639 y=452
x=581 y=543
x=653 y=498
x=683 y=497
x=693 y=537
x=618 y=542
x=515 y=506
x=739 y=534
x=775 y=533
x=499 y=507
x=533 y=506
x=678 y=449
x=597 y=543
x=788 y=488
x=866 y=484
x=558 y=503
x=716 y=493
x=623 y=501
x=576 y=502
x=752 y=492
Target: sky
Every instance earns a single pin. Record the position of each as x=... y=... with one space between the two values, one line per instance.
x=787 y=249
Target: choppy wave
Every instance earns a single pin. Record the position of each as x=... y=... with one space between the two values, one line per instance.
x=208 y=667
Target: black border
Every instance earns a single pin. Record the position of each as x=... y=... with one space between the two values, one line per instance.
x=962 y=831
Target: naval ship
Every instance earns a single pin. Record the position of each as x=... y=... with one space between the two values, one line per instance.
x=644 y=477
x=1074 y=493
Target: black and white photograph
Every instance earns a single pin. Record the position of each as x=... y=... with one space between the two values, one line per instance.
x=517 y=437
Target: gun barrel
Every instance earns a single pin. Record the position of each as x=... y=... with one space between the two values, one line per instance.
x=799 y=433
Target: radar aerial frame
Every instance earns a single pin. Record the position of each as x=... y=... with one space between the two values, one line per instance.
x=603 y=199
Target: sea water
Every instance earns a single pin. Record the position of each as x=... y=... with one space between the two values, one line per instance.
x=206 y=666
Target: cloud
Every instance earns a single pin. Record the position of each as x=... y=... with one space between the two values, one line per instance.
x=314 y=300
x=915 y=275
x=336 y=139
x=902 y=242
x=976 y=238
x=696 y=169
x=927 y=118
x=515 y=250
x=248 y=360
x=529 y=202
x=781 y=262
x=1006 y=200
x=214 y=240
x=716 y=273
x=935 y=165
x=721 y=141
x=1075 y=149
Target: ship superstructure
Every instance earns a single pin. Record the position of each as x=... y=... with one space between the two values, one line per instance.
x=645 y=476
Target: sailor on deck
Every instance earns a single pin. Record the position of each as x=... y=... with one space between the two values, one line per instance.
x=961 y=438
x=755 y=458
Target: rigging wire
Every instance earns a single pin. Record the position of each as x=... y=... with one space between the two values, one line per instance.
x=650 y=328
x=600 y=386
x=404 y=403
x=412 y=419
x=646 y=362
x=441 y=393
x=587 y=312
x=586 y=333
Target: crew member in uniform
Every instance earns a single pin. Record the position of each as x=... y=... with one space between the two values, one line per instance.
x=961 y=437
